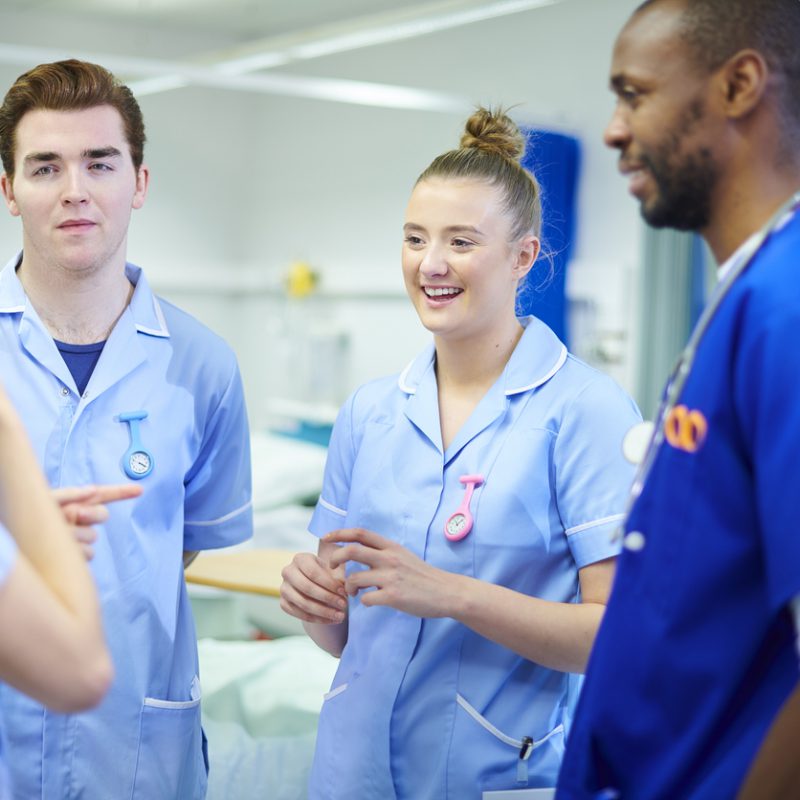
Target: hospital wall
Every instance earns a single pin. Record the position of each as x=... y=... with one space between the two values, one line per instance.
x=245 y=184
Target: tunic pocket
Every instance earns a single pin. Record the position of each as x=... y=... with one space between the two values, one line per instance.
x=171 y=763
x=503 y=761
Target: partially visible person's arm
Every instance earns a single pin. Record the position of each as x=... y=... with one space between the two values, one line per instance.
x=52 y=646
x=775 y=772
x=314 y=592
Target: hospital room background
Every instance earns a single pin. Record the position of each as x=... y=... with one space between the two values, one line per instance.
x=283 y=142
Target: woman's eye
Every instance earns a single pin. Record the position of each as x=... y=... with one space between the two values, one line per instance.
x=414 y=241
x=462 y=243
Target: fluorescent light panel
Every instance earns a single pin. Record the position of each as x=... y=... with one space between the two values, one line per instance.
x=235 y=73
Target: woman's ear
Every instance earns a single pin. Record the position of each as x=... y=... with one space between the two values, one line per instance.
x=528 y=248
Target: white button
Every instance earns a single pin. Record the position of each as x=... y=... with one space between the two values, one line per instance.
x=64 y=391
x=634 y=541
x=635 y=442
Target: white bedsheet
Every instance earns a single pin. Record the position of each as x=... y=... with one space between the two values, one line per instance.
x=285 y=470
x=261 y=701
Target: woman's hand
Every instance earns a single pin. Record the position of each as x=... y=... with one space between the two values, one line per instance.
x=313 y=590
x=397 y=577
x=85 y=506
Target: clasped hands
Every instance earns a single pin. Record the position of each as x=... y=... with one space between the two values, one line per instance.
x=315 y=588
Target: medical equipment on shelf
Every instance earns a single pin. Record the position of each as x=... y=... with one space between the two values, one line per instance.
x=459 y=524
x=137 y=462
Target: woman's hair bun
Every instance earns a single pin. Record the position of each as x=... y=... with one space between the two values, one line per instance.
x=493 y=131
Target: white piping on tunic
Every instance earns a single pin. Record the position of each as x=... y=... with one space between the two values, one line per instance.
x=209 y=523
x=164 y=330
x=562 y=357
x=594 y=524
x=484 y=723
x=325 y=504
x=153 y=702
x=560 y=361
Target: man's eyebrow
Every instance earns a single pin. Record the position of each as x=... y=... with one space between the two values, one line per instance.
x=617 y=82
x=92 y=153
x=101 y=152
x=43 y=156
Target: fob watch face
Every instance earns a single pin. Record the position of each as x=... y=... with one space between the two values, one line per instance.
x=140 y=462
x=456 y=524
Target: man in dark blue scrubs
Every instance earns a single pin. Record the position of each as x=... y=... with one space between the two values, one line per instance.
x=692 y=689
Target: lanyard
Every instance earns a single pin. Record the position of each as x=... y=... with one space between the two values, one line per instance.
x=683 y=367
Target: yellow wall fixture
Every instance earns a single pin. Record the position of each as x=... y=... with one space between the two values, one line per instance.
x=301 y=279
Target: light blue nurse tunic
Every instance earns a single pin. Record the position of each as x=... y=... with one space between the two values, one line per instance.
x=427 y=708
x=144 y=741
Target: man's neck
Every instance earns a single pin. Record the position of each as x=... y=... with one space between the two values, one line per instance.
x=76 y=307
x=745 y=204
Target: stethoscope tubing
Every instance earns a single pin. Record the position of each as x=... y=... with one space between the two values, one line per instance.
x=683 y=367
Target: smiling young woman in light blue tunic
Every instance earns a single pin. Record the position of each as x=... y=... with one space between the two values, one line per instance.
x=467 y=513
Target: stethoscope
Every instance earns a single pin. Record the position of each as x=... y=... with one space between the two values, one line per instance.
x=651 y=435
x=138 y=461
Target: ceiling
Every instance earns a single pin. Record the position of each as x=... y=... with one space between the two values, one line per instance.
x=247 y=45
x=237 y=19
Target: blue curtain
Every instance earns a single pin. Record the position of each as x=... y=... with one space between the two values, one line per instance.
x=554 y=159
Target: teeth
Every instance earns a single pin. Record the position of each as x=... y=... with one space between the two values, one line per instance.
x=441 y=292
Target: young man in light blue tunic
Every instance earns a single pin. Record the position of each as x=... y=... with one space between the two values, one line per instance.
x=114 y=384
x=692 y=689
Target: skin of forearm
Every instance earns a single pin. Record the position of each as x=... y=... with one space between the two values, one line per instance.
x=331 y=638
x=558 y=636
x=775 y=773
x=38 y=526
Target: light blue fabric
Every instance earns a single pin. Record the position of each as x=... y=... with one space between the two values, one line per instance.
x=8 y=554
x=547 y=438
x=144 y=740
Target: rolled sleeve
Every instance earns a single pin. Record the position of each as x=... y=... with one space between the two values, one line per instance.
x=218 y=505
x=593 y=478
x=595 y=542
x=331 y=510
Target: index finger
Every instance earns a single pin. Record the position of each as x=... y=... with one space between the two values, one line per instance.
x=108 y=493
x=92 y=494
x=73 y=494
x=358 y=536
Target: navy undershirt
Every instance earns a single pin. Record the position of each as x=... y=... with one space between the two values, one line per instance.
x=81 y=360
